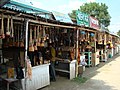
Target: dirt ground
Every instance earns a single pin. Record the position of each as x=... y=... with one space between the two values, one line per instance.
x=105 y=76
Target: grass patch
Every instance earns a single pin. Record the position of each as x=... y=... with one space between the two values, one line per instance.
x=80 y=80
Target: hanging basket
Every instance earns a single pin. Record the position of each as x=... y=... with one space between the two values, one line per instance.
x=83 y=32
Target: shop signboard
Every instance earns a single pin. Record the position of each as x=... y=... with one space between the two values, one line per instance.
x=82 y=18
x=62 y=17
x=94 y=23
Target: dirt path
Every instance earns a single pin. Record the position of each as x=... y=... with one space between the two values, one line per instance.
x=104 y=77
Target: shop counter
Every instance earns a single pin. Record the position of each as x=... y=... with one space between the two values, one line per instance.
x=40 y=78
x=66 y=68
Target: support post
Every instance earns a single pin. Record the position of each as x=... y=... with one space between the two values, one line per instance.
x=26 y=48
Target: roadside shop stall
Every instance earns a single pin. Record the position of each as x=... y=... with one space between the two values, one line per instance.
x=109 y=45
x=87 y=44
x=94 y=24
x=115 y=43
x=87 y=41
x=26 y=40
x=19 y=46
x=100 y=45
x=104 y=38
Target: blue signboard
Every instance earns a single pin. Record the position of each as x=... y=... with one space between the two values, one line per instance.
x=62 y=17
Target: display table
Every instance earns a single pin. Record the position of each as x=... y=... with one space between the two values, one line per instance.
x=66 y=68
x=8 y=80
x=40 y=78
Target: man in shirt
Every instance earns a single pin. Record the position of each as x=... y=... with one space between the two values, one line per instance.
x=52 y=63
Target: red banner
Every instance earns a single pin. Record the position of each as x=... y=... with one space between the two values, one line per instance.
x=94 y=23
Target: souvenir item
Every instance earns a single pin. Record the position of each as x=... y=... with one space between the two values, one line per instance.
x=8 y=27
x=35 y=39
x=31 y=48
x=22 y=36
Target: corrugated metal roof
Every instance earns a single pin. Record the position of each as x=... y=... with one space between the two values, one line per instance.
x=12 y=4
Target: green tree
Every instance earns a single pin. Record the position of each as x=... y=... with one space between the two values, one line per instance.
x=99 y=11
x=118 y=33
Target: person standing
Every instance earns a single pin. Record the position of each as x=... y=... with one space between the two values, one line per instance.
x=52 y=63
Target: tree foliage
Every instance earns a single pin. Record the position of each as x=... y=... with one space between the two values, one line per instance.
x=118 y=33
x=99 y=11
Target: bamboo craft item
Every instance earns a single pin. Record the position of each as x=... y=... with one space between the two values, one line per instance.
x=38 y=35
x=7 y=33
x=21 y=36
x=8 y=27
x=11 y=28
x=11 y=33
x=35 y=39
x=87 y=36
x=42 y=35
x=31 y=48
x=99 y=39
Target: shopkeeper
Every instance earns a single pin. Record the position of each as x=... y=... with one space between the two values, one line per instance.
x=52 y=62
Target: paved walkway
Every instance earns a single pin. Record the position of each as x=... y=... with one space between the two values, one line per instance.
x=106 y=76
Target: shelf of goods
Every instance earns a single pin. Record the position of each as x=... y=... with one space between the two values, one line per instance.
x=88 y=57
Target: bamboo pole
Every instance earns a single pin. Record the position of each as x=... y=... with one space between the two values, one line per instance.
x=26 y=48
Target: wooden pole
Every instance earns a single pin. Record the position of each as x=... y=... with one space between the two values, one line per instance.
x=26 y=48
x=77 y=46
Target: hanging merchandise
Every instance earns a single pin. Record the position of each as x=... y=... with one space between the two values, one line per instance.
x=8 y=27
x=44 y=33
x=104 y=39
x=92 y=44
x=82 y=36
x=2 y=27
x=92 y=34
x=50 y=36
x=92 y=37
x=87 y=36
x=11 y=27
x=99 y=39
x=31 y=48
x=83 y=32
x=42 y=42
x=42 y=36
x=35 y=39
x=38 y=35
x=22 y=35
x=111 y=45
x=14 y=35
x=29 y=69
x=17 y=35
x=11 y=33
